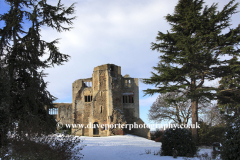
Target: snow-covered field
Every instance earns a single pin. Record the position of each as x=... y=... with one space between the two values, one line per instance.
x=128 y=147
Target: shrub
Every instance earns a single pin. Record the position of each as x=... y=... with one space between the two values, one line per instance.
x=44 y=148
x=231 y=144
x=178 y=142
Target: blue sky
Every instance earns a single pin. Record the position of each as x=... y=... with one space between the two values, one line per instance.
x=111 y=31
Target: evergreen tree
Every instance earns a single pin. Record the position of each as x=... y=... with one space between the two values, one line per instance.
x=21 y=55
x=190 y=53
x=229 y=88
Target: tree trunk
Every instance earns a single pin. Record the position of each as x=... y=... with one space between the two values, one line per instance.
x=194 y=106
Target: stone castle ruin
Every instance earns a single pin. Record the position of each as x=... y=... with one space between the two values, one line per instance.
x=104 y=99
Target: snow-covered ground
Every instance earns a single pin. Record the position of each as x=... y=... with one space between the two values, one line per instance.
x=128 y=147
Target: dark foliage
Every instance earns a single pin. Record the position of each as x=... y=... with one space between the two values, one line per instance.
x=178 y=142
x=3 y=128
x=229 y=89
x=231 y=144
x=210 y=134
x=43 y=148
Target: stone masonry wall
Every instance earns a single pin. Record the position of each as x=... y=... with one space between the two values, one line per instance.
x=64 y=112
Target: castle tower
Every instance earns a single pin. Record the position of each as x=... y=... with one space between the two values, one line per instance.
x=94 y=99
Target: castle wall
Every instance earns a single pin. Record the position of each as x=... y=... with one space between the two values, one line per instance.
x=64 y=112
x=141 y=131
x=131 y=90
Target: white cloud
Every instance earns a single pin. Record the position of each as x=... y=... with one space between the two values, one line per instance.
x=118 y=32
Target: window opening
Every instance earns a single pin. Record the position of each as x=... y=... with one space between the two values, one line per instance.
x=111 y=118
x=88 y=98
x=88 y=84
x=95 y=128
x=111 y=68
x=53 y=111
x=128 y=83
x=128 y=99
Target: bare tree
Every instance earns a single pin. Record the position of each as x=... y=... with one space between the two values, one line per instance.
x=163 y=109
x=212 y=115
